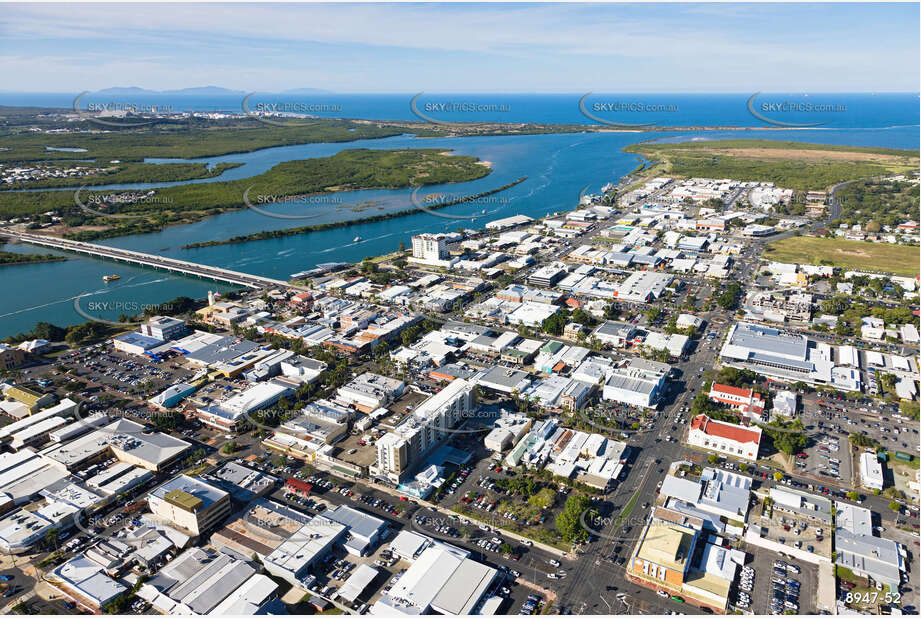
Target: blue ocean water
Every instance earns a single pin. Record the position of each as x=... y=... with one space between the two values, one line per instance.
x=836 y=110
x=558 y=168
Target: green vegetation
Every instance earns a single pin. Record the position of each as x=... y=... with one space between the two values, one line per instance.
x=182 y=143
x=910 y=409
x=853 y=254
x=307 y=229
x=569 y=521
x=346 y=171
x=874 y=204
x=625 y=513
x=796 y=165
x=703 y=405
x=8 y=258
x=167 y=421
x=863 y=441
x=124 y=173
x=42 y=330
x=788 y=438
x=728 y=296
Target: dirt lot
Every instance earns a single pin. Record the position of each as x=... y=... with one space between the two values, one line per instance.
x=807 y=155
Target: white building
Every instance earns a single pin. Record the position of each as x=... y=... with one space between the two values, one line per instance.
x=442 y=580
x=726 y=438
x=428 y=425
x=370 y=391
x=871 y=471
x=163 y=328
x=638 y=383
x=431 y=249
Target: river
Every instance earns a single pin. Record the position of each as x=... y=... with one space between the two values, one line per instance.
x=558 y=167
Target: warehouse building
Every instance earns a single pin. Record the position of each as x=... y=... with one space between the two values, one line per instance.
x=201 y=582
x=856 y=548
x=84 y=582
x=644 y=286
x=443 y=580
x=128 y=441
x=787 y=357
x=638 y=383
x=229 y=414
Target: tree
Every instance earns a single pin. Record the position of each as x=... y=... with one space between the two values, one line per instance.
x=611 y=311
x=229 y=447
x=712 y=459
x=569 y=521
x=51 y=538
x=554 y=324
x=743 y=467
x=852 y=495
x=910 y=409
x=580 y=316
x=778 y=476
x=653 y=313
x=895 y=506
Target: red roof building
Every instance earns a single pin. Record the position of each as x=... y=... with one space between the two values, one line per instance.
x=725 y=438
x=299 y=487
x=745 y=400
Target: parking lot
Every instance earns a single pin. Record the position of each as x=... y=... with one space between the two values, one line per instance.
x=766 y=578
x=827 y=456
x=796 y=530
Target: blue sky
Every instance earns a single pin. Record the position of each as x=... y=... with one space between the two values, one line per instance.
x=822 y=47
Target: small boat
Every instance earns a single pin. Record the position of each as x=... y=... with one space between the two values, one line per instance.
x=108 y=278
x=356 y=239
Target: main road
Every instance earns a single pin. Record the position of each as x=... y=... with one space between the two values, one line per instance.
x=145 y=259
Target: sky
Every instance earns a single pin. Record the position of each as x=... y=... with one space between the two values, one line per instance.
x=400 y=48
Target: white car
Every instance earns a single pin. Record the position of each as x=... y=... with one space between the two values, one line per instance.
x=662 y=594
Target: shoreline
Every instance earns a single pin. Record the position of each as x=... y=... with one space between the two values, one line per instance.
x=27 y=262
x=308 y=229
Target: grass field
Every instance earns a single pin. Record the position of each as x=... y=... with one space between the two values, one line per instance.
x=794 y=165
x=895 y=259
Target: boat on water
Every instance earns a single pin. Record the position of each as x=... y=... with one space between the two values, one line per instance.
x=108 y=278
x=356 y=239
